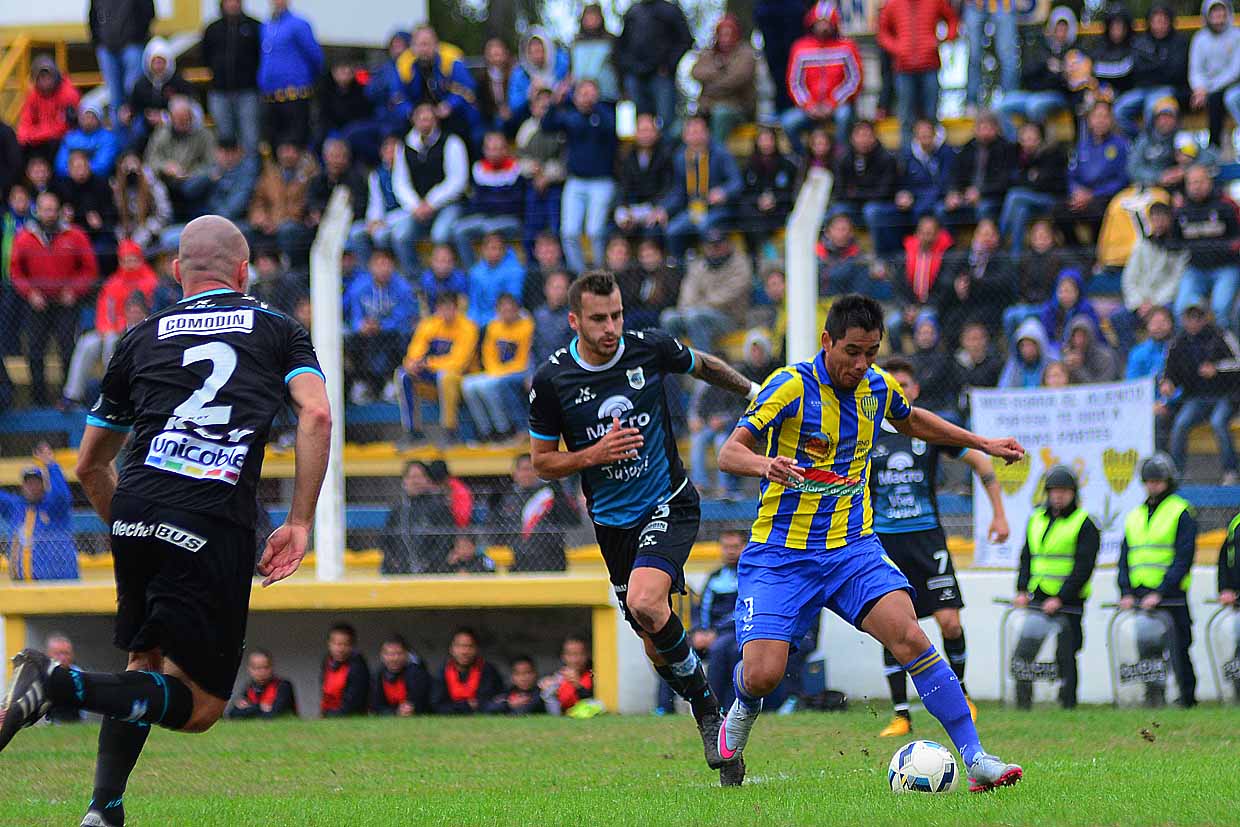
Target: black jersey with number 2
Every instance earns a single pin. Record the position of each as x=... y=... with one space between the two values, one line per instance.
x=199 y=383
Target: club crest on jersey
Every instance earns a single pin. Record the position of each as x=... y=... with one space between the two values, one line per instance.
x=919 y=446
x=637 y=378
x=869 y=406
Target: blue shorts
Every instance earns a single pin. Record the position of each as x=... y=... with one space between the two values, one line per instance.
x=782 y=591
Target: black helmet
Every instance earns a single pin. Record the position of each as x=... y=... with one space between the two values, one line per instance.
x=1158 y=467
x=1059 y=476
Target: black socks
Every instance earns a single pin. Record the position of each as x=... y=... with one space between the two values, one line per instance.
x=132 y=697
x=120 y=744
x=957 y=656
x=683 y=669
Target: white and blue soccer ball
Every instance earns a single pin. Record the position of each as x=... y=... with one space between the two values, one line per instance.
x=923 y=767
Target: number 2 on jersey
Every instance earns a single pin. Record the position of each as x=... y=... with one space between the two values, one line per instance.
x=194 y=412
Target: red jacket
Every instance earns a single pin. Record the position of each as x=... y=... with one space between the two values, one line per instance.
x=906 y=31
x=823 y=71
x=45 y=118
x=922 y=267
x=63 y=262
x=110 y=306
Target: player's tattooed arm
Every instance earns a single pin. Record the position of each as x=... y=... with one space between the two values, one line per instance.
x=713 y=370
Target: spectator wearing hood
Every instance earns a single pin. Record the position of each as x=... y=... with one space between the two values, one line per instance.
x=1160 y=69
x=1114 y=60
x=1151 y=277
x=230 y=48
x=653 y=38
x=44 y=117
x=768 y=194
x=119 y=30
x=1043 y=85
x=338 y=170
x=726 y=70
x=1086 y=355
x=925 y=170
x=1028 y=357
x=1214 y=67
x=1151 y=163
x=1066 y=304
x=159 y=84
x=592 y=54
x=89 y=136
x=1039 y=184
x=542 y=66
x=824 y=77
x=1195 y=370
x=141 y=200
x=975 y=285
x=936 y=369
x=288 y=69
x=435 y=73
x=714 y=296
x=498 y=199
x=1207 y=226
x=1002 y=14
x=908 y=32
x=179 y=152
x=983 y=173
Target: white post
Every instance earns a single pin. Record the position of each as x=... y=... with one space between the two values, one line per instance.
x=326 y=310
x=802 y=266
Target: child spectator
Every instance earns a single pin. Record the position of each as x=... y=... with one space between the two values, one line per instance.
x=441 y=350
x=908 y=31
x=925 y=169
x=522 y=696
x=418 y=533
x=100 y=144
x=266 y=695
x=1055 y=375
x=1160 y=68
x=498 y=199
x=551 y=327
x=1208 y=227
x=344 y=679
x=1214 y=68
x=1039 y=184
x=381 y=310
x=466 y=681
x=499 y=271
x=1151 y=276
x=46 y=110
x=592 y=54
x=1066 y=304
x=645 y=176
x=467 y=558
x=495 y=396
x=142 y=203
x=401 y=686
x=574 y=682
x=824 y=76
x=542 y=66
x=983 y=173
x=1087 y=357
x=726 y=71
x=1205 y=391
x=768 y=193
x=442 y=276
x=541 y=157
x=1043 y=83
x=1027 y=358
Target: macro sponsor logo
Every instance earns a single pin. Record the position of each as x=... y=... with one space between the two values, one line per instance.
x=616 y=407
x=900 y=470
x=182 y=454
x=206 y=324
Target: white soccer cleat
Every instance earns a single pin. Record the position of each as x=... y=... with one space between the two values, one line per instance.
x=988 y=772
x=734 y=733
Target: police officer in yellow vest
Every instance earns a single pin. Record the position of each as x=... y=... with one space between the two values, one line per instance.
x=1061 y=548
x=1156 y=559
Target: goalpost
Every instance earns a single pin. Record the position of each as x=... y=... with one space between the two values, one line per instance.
x=801 y=297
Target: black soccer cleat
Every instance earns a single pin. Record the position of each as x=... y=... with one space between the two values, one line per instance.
x=27 y=700
x=732 y=774
x=708 y=725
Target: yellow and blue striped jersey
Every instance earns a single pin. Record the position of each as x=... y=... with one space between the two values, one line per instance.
x=830 y=432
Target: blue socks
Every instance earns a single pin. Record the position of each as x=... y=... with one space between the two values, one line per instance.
x=746 y=700
x=943 y=698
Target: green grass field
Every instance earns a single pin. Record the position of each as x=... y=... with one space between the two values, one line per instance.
x=1093 y=766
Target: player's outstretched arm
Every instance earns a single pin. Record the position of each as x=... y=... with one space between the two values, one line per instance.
x=94 y=467
x=739 y=456
x=287 y=544
x=985 y=470
x=617 y=444
x=713 y=370
x=933 y=428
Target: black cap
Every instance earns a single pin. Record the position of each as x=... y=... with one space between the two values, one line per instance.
x=1059 y=476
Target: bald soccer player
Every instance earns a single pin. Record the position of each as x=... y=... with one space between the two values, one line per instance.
x=198 y=384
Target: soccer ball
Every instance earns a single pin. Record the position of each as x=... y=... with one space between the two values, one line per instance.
x=922 y=767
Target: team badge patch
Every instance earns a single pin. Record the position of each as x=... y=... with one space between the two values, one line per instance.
x=818 y=447
x=637 y=378
x=869 y=406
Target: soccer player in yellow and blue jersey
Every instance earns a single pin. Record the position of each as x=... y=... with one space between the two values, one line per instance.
x=809 y=435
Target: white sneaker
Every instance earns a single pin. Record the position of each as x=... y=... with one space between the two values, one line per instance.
x=734 y=733
x=987 y=772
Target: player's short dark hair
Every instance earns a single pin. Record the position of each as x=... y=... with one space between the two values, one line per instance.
x=465 y=630
x=517 y=660
x=396 y=638
x=595 y=282
x=898 y=364
x=854 y=310
x=344 y=629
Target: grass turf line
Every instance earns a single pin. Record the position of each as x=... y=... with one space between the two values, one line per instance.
x=1093 y=766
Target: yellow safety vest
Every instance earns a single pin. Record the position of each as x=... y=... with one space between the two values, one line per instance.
x=1151 y=542
x=1052 y=550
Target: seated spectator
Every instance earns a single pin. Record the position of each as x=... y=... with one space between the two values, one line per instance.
x=1148 y=360
x=542 y=66
x=705 y=190
x=1114 y=61
x=908 y=32
x=1160 y=69
x=46 y=110
x=151 y=94
x=88 y=204
x=774 y=312
x=383 y=210
x=442 y=275
x=532 y=518
x=266 y=695
x=768 y=193
x=978 y=364
x=575 y=680
x=1097 y=172
x=592 y=54
x=820 y=154
x=41 y=545
x=1214 y=70
x=551 y=327
x=381 y=309
x=522 y=696
x=132 y=276
x=429 y=179
x=645 y=176
x=924 y=172
x=915 y=280
x=936 y=370
x=841 y=267
x=344 y=679
x=39 y=178
x=1039 y=184
x=1205 y=391
x=401 y=686
x=1152 y=160
x=726 y=71
x=499 y=271
x=271 y=280
x=435 y=74
x=1086 y=355
x=1037 y=273
x=1056 y=375
x=1044 y=86
x=651 y=287
x=714 y=297
x=1151 y=277
x=142 y=203
x=466 y=557
x=280 y=210
x=228 y=187
x=342 y=101
x=90 y=136
x=541 y=157
x=548 y=257
x=60 y=651
x=1065 y=305
x=167 y=289
x=618 y=259
x=417 y=535
x=498 y=200
x=491 y=80
x=1208 y=227
x=441 y=350
x=975 y=285
x=590 y=129
x=824 y=77
x=984 y=170
x=495 y=395
x=865 y=177
x=338 y=171
x=466 y=681
x=654 y=37
x=1028 y=356
x=460 y=497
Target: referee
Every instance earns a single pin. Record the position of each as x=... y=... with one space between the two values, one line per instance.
x=198 y=385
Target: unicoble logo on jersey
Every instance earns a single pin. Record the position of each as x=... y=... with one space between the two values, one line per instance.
x=616 y=407
x=180 y=453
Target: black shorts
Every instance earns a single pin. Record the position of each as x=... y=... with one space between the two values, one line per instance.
x=923 y=557
x=661 y=540
x=182 y=585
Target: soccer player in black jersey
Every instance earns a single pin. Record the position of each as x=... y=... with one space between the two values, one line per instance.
x=198 y=384
x=604 y=396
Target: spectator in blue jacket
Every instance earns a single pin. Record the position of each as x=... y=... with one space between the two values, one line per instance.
x=542 y=65
x=591 y=184
x=390 y=107
x=443 y=275
x=289 y=66
x=1148 y=360
x=1066 y=304
x=91 y=137
x=706 y=184
x=926 y=167
x=381 y=310
x=435 y=73
x=1097 y=171
x=39 y=523
x=498 y=200
x=499 y=271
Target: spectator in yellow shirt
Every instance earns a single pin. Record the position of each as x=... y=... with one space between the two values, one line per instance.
x=495 y=396
x=441 y=351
